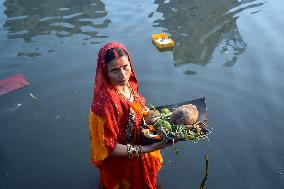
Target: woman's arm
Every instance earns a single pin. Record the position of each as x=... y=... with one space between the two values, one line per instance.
x=121 y=150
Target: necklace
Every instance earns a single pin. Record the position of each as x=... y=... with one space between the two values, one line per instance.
x=123 y=96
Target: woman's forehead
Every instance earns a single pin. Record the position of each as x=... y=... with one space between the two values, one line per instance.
x=118 y=62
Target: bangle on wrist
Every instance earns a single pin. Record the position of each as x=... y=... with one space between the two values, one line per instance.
x=134 y=151
x=128 y=147
x=140 y=150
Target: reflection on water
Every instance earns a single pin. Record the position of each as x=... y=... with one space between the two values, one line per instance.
x=198 y=27
x=62 y=18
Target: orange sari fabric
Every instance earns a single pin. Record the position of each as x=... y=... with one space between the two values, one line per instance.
x=109 y=114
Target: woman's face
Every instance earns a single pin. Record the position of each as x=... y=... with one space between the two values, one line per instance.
x=119 y=71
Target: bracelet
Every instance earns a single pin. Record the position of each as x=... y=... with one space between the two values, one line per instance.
x=134 y=151
x=129 y=150
x=140 y=150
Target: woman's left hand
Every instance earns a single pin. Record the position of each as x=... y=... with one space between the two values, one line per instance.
x=156 y=146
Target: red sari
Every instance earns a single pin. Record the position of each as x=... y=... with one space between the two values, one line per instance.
x=108 y=120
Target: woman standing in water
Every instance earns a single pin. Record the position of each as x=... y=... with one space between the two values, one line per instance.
x=115 y=117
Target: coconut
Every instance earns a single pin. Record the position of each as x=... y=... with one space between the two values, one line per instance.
x=185 y=115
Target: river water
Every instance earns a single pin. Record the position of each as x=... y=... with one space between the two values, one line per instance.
x=229 y=51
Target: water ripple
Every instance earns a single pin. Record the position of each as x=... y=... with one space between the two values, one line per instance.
x=60 y=18
x=198 y=29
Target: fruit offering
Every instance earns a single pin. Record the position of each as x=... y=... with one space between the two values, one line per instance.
x=179 y=124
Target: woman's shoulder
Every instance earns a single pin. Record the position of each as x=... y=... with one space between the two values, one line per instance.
x=102 y=100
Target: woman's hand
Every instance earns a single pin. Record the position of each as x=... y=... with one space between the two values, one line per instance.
x=155 y=146
x=160 y=145
x=121 y=150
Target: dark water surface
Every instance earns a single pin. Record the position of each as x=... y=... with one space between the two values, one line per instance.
x=230 y=51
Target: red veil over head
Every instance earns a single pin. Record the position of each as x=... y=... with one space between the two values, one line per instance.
x=102 y=83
